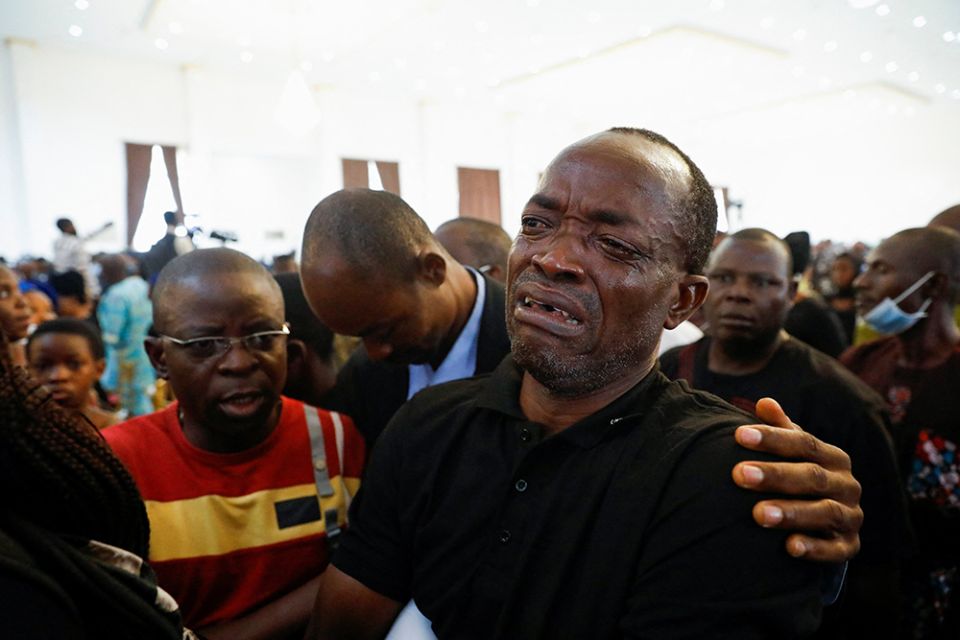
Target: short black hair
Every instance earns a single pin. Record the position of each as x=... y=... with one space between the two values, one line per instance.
x=63 y=223
x=375 y=232
x=697 y=210
x=304 y=325
x=198 y=263
x=170 y=217
x=70 y=283
x=937 y=249
x=755 y=234
x=72 y=327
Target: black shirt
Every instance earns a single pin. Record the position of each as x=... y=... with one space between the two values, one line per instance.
x=824 y=398
x=625 y=524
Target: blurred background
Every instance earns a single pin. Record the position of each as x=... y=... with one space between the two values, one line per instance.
x=838 y=117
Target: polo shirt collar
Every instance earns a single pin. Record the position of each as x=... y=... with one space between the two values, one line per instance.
x=501 y=393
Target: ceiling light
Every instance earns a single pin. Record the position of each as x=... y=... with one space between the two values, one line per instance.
x=949 y=36
x=799 y=34
x=374 y=76
x=919 y=22
x=830 y=46
x=891 y=66
x=306 y=66
x=328 y=56
x=400 y=63
x=940 y=87
x=866 y=56
x=594 y=17
x=175 y=28
x=75 y=30
x=913 y=76
x=882 y=10
x=161 y=44
x=246 y=56
x=243 y=41
x=83 y=5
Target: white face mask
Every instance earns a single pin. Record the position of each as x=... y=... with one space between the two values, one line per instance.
x=888 y=318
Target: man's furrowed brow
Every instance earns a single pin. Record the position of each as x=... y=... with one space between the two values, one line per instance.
x=611 y=217
x=544 y=202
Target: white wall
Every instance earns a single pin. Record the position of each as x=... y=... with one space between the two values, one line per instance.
x=64 y=117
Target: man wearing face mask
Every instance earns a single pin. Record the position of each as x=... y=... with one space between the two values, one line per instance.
x=909 y=291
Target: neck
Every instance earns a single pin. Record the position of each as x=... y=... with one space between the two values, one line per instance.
x=931 y=341
x=558 y=412
x=464 y=291
x=231 y=439
x=723 y=360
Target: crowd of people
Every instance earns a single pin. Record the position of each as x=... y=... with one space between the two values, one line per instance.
x=617 y=423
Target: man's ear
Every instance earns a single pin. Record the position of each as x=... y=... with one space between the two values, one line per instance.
x=158 y=357
x=692 y=291
x=936 y=287
x=296 y=359
x=432 y=267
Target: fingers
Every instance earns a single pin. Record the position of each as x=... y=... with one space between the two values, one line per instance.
x=770 y=411
x=798 y=478
x=839 y=522
x=792 y=443
x=839 y=549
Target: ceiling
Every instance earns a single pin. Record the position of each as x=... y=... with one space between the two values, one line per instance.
x=714 y=58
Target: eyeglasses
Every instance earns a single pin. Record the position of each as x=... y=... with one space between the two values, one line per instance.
x=214 y=346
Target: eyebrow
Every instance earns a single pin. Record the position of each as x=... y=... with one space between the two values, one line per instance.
x=604 y=216
x=544 y=201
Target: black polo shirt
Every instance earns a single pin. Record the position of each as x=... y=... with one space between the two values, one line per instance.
x=625 y=524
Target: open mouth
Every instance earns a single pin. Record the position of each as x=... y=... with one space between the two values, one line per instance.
x=532 y=303
x=242 y=404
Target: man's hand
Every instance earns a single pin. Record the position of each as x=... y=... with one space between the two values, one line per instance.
x=823 y=470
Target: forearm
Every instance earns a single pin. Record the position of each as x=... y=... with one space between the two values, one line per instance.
x=285 y=617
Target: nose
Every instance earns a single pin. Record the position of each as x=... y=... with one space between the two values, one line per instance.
x=377 y=349
x=57 y=373
x=561 y=258
x=739 y=290
x=237 y=359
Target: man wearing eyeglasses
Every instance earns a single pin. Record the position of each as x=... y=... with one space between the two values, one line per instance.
x=246 y=490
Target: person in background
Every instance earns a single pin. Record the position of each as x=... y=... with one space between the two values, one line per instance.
x=748 y=356
x=41 y=306
x=73 y=529
x=69 y=253
x=286 y=263
x=67 y=356
x=246 y=490
x=124 y=315
x=175 y=242
x=909 y=292
x=311 y=372
x=845 y=268
x=72 y=298
x=810 y=319
x=476 y=243
x=15 y=315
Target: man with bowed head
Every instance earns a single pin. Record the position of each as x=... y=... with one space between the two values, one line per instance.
x=575 y=491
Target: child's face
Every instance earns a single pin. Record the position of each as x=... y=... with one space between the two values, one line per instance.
x=64 y=363
x=14 y=311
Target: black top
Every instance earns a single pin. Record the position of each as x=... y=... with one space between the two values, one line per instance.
x=818 y=325
x=824 y=398
x=370 y=391
x=625 y=524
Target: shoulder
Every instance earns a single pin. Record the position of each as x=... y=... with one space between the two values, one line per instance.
x=670 y=360
x=882 y=348
x=141 y=433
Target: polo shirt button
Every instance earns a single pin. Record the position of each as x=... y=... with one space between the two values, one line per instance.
x=504 y=536
x=521 y=485
x=525 y=434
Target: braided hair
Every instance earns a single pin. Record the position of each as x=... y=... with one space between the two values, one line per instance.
x=56 y=470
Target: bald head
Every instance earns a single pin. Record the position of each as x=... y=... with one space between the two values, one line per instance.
x=949 y=218
x=375 y=233
x=476 y=243
x=199 y=267
x=924 y=249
